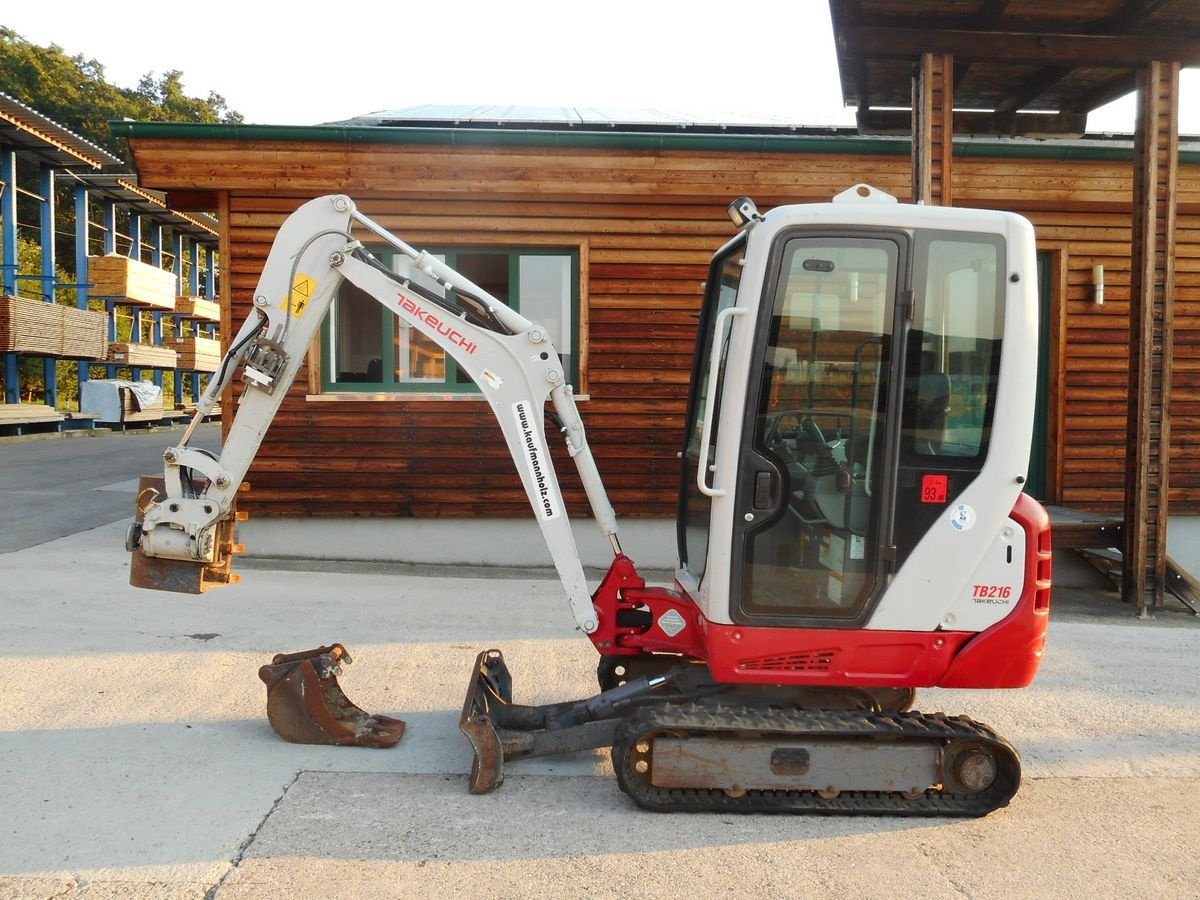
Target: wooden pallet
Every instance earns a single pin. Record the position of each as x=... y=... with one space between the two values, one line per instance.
x=198 y=308
x=127 y=354
x=38 y=328
x=119 y=276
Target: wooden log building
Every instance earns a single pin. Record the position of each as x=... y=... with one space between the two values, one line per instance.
x=638 y=215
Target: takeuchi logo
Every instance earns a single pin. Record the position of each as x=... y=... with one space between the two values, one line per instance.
x=446 y=329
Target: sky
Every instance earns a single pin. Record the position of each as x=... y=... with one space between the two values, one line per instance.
x=304 y=63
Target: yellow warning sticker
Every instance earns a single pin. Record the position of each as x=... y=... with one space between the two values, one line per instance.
x=302 y=291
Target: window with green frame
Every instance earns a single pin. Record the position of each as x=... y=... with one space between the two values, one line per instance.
x=368 y=349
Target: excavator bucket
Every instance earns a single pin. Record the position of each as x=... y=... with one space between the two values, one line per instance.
x=305 y=703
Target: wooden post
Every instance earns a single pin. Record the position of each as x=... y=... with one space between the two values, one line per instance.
x=1151 y=335
x=933 y=129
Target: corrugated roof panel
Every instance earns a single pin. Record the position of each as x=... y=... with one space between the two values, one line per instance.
x=125 y=189
x=29 y=130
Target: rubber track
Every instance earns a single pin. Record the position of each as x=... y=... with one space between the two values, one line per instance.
x=712 y=719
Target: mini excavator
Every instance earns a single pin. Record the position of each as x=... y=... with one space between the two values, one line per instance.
x=851 y=526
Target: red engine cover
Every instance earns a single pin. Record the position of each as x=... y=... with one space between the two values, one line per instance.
x=1003 y=656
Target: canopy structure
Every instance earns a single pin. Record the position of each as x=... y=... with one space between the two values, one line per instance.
x=1025 y=67
x=125 y=190
x=45 y=140
x=1019 y=66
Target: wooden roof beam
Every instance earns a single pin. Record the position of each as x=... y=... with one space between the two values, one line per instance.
x=1041 y=81
x=1127 y=19
x=193 y=201
x=1022 y=48
x=989 y=17
x=899 y=121
x=1123 y=21
x=845 y=13
x=1118 y=87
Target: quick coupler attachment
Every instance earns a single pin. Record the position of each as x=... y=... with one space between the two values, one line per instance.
x=180 y=576
x=305 y=703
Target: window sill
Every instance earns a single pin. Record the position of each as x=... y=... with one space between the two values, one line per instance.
x=348 y=397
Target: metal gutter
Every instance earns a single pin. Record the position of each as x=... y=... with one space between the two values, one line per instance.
x=842 y=143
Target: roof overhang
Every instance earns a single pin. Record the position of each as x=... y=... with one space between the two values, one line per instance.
x=1020 y=66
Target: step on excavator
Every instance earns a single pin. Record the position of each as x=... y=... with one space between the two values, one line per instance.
x=851 y=522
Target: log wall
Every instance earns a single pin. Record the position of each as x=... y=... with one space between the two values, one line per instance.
x=646 y=222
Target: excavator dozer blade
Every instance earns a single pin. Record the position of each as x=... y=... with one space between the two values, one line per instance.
x=305 y=703
x=490 y=687
x=500 y=730
x=177 y=575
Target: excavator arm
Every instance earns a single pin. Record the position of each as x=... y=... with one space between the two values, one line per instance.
x=182 y=535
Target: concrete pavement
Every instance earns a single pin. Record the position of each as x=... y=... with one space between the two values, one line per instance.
x=55 y=485
x=136 y=761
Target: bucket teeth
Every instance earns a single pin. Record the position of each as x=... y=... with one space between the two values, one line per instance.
x=305 y=703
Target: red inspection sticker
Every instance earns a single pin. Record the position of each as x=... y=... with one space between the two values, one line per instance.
x=935 y=488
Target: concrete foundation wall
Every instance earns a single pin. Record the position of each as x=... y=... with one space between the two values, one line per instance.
x=517 y=542
x=480 y=542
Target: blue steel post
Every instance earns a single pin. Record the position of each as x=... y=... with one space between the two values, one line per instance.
x=194 y=270
x=177 y=322
x=156 y=317
x=210 y=285
x=210 y=282
x=48 y=206
x=83 y=227
x=8 y=268
x=110 y=246
x=135 y=252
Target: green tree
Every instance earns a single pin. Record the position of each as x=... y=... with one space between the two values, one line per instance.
x=72 y=91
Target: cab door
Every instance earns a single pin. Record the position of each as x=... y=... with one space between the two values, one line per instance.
x=814 y=517
x=694 y=519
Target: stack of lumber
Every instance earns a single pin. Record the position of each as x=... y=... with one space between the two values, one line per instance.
x=30 y=326
x=84 y=333
x=113 y=400
x=50 y=329
x=28 y=414
x=197 y=353
x=133 y=411
x=198 y=308
x=117 y=276
x=127 y=354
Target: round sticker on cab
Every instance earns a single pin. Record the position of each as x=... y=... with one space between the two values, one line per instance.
x=963 y=517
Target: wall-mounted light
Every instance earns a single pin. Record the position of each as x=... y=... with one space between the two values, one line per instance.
x=744 y=213
x=1098 y=285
